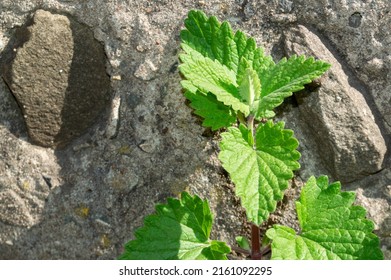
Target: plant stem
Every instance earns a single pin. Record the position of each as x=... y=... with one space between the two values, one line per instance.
x=241 y=250
x=250 y=125
x=255 y=245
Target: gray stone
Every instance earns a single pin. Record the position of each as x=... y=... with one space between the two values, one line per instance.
x=348 y=137
x=56 y=70
x=360 y=40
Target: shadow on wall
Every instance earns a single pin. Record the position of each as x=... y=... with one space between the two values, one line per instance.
x=107 y=186
x=88 y=92
x=49 y=96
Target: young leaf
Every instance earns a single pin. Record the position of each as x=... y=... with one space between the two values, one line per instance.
x=180 y=229
x=250 y=88
x=215 y=60
x=280 y=80
x=216 y=41
x=243 y=242
x=332 y=228
x=260 y=173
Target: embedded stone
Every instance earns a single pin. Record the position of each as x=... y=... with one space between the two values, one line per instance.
x=349 y=140
x=55 y=68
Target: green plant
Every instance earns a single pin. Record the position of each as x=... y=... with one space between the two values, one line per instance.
x=232 y=84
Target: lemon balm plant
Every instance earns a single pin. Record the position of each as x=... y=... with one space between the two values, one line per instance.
x=233 y=85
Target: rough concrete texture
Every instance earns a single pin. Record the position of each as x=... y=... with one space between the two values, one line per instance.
x=56 y=70
x=86 y=200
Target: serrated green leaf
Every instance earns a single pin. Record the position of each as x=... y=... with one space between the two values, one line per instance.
x=180 y=229
x=211 y=76
x=260 y=173
x=217 y=48
x=210 y=38
x=216 y=115
x=281 y=80
x=215 y=40
x=215 y=60
x=332 y=228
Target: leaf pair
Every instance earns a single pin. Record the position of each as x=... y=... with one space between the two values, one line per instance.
x=331 y=228
x=236 y=72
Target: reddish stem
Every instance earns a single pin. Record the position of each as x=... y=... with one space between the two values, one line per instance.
x=255 y=245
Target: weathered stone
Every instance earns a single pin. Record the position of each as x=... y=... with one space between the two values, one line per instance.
x=56 y=70
x=361 y=32
x=349 y=139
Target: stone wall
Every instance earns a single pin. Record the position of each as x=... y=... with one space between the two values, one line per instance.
x=94 y=128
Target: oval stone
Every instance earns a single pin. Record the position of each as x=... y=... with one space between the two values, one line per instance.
x=55 y=68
